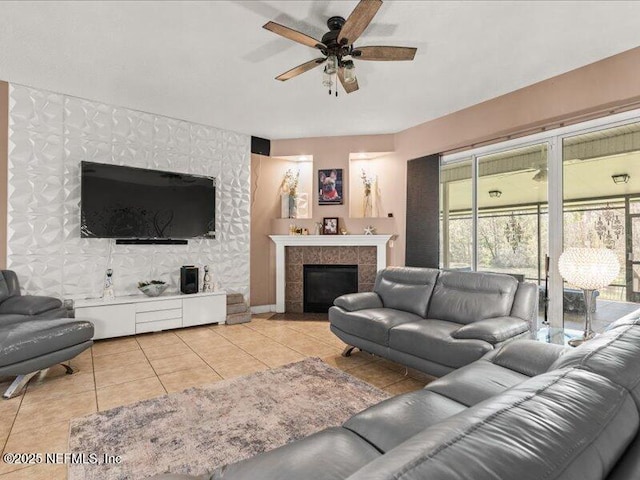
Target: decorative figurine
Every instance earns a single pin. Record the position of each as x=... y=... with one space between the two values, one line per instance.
x=108 y=292
x=370 y=230
x=207 y=285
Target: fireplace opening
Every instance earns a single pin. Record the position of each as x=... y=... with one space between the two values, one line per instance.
x=324 y=283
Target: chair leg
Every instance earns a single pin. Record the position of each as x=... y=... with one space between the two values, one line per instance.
x=68 y=368
x=18 y=384
x=347 y=351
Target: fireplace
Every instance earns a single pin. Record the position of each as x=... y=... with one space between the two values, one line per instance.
x=322 y=284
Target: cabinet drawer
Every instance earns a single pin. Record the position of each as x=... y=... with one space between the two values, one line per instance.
x=145 y=317
x=109 y=320
x=159 y=325
x=158 y=305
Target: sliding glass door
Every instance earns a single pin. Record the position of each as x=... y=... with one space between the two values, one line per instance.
x=456 y=216
x=514 y=207
x=512 y=212
x=601 y=208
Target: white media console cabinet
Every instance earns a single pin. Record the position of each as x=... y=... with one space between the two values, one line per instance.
x=140 y=314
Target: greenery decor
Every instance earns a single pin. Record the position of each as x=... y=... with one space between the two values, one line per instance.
x=367 y=182
x=290 y=182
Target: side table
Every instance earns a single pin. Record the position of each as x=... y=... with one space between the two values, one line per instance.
x=559 y=336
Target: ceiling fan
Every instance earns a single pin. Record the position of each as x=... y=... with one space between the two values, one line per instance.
x=338 y=49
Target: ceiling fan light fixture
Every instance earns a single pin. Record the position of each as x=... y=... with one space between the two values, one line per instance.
x=326 y=79
x=338 y=43
x=332 y=65
x=349 y=72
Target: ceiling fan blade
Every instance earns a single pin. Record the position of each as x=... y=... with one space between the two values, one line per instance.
x=358 y=21
x=295 y=71
x=388 y=54
x=348 y=87
x=294 y=35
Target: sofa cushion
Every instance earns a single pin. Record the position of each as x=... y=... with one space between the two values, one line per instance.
x=392 y=421
x=432 y=340
x=33 y=338
x=466 y=297
x=6 y=319
x=615 y=354
x=476 y=382
x=493 y=330
x=525 y=304
x=358 y=301
x=528 y=357
x=9 y=285
x=372 y=324
x=567 y=424
x=406 y=288
x=29 y=305
x=332 y=454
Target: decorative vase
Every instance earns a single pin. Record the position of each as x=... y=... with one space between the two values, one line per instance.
x=293 y=208
x=367 y=206
x=108 y=292
x=207 y=285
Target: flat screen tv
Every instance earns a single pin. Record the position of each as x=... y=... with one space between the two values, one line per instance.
x=137 y=203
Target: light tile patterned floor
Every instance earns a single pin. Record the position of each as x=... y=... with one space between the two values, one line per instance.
x=125 y=370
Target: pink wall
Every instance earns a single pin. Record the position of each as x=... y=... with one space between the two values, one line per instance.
x=332 y=152
x=598 y=89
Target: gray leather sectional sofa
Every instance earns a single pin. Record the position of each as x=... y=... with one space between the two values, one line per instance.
x=436 y=321
x=525 y=411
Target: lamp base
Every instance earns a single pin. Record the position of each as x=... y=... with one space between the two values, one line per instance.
x=575 y=342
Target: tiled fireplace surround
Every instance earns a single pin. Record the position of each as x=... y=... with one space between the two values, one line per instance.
x=298 y=256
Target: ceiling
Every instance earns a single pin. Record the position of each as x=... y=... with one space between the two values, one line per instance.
x=212 y=63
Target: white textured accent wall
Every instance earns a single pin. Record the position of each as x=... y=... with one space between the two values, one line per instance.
x=49 y=134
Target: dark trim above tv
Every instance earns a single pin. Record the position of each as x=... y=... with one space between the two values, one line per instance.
x=150 y=241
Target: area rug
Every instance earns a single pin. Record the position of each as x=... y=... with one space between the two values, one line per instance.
x=196 y=430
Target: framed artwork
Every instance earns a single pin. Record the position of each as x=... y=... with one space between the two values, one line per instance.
x=330 y=226
x=330 y=187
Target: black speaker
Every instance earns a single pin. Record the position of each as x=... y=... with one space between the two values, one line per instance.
x=261 y=146
x=189 y=279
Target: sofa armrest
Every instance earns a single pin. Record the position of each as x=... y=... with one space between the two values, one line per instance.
x=358 y=301
x=29 y=305
x=492 y=330
x=528 y=357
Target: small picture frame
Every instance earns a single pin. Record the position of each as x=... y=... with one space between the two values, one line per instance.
x=330 y=226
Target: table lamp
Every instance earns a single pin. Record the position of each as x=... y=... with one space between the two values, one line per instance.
x=588 y=269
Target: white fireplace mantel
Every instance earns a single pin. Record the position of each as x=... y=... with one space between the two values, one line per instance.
x=282 y=241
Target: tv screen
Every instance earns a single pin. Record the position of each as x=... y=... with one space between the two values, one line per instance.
x=126 y=202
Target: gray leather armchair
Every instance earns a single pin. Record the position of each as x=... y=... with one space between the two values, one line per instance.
x=15 y=307
x=35 y=333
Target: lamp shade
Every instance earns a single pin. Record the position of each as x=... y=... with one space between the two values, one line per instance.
x=589 y=268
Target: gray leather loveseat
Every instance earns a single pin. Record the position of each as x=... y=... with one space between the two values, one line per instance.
x=435 y=321
x=526 y=411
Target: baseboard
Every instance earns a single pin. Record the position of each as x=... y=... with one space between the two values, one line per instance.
x=263 y=308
